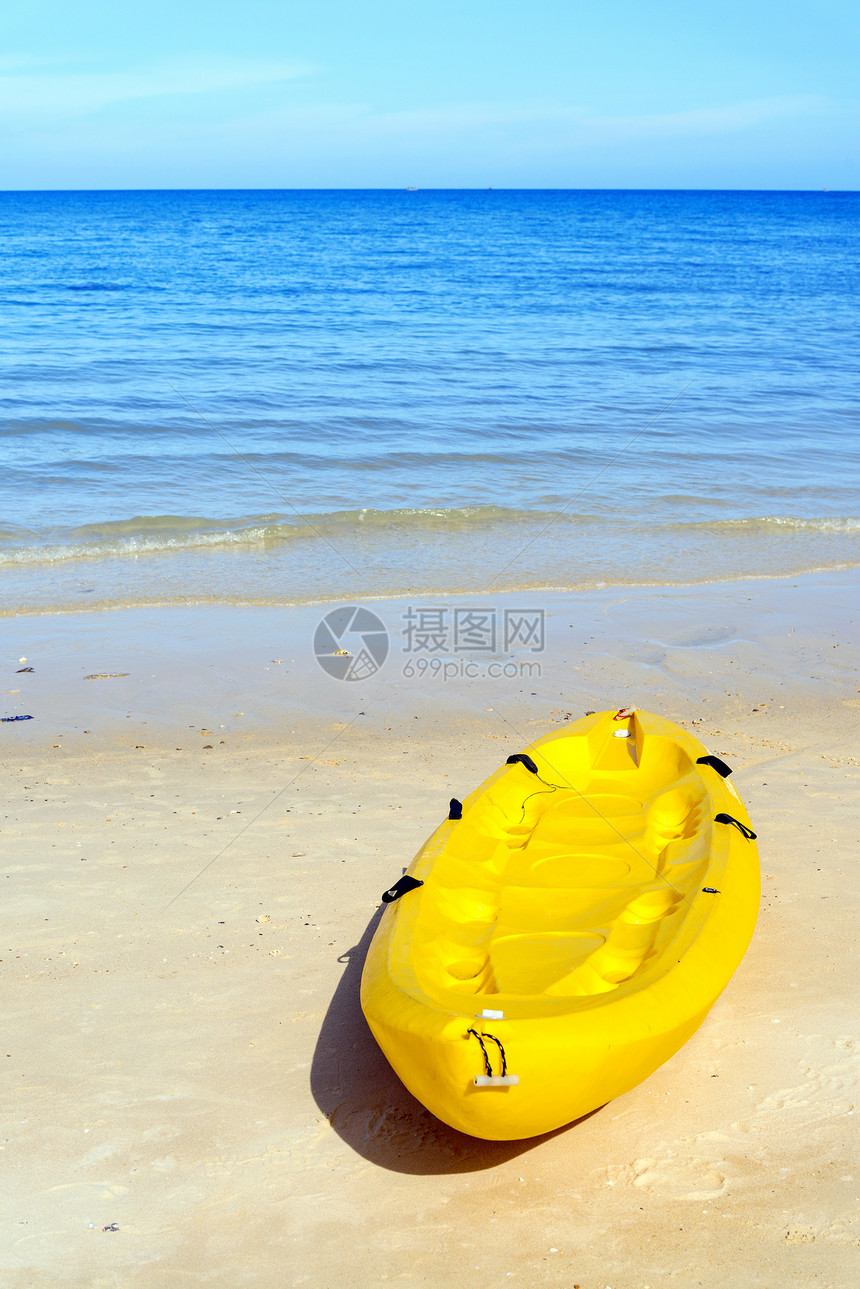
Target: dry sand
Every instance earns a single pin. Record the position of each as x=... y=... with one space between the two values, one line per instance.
x=191 y=1095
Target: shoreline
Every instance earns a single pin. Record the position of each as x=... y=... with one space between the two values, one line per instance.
x=252 y=669
x=189 y=601
x=525 y=588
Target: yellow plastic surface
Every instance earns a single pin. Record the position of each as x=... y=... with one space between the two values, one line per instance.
x=575 y=910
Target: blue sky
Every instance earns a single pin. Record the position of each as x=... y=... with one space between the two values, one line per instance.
x=472 y=93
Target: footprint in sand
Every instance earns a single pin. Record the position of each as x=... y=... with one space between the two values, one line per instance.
x=399 y=1132
x=690 y=1179
x=799 y=1235
x=826 y=1091
x=837 y=1232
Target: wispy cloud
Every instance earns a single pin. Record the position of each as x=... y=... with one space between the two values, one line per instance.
x=727 y=119
x=575 y=122
x=31 y=93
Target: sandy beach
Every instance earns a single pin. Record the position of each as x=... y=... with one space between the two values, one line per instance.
x=198 y=823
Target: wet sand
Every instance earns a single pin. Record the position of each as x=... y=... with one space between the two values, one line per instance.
x=193 y=857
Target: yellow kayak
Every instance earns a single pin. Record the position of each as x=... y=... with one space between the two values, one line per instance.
x=566 y=929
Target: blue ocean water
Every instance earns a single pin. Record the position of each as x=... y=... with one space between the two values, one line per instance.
x=286 y=396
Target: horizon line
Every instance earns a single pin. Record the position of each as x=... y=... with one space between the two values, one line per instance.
x=419 y=188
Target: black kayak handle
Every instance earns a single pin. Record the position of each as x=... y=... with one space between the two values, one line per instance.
x=730 y=819
x=402 y=886
x=716 y=764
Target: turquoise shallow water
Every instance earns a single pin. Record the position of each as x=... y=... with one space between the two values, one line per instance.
x=289 y=396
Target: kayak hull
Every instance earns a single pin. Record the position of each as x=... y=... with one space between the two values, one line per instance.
x=571 y=932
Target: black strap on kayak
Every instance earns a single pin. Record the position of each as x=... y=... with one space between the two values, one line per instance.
x=498 y=1042
x=716 y=764
x=402 y=886
x=487 y=1066
x=524 y=760
x=455 y=809
x=730 y=819
x=710 y=890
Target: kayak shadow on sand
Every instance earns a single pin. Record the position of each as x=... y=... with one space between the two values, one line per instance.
x=370 y=1109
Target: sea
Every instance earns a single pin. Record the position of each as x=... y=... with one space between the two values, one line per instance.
x=283 y=397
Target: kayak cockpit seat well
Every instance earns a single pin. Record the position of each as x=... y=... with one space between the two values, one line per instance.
x=567 y=885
